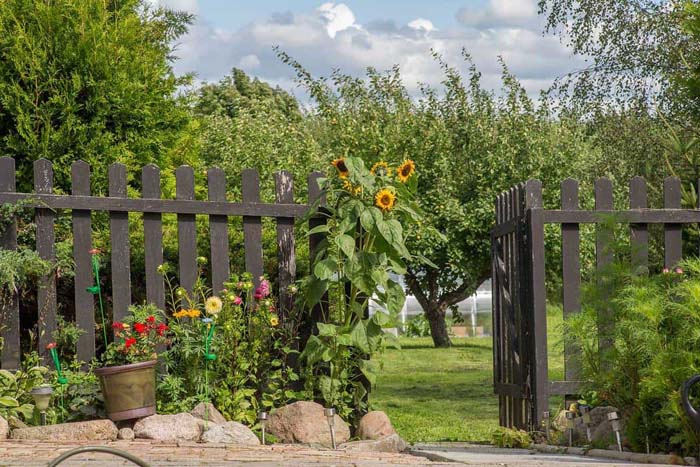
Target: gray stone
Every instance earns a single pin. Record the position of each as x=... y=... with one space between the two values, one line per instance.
x=126 y=433
x=375 y=425
x=304 y=422
x=178 y=427
x=207 y=411
x=231 y=433
x=80 y=431
x=391 y=443
x=4 y=428
x=601 y=428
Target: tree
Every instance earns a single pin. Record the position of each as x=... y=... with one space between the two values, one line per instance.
x=88 y=79
x=468 y=145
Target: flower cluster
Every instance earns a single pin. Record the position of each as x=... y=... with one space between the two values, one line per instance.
x=187 y=313
x=136 y=338
x=676 y=270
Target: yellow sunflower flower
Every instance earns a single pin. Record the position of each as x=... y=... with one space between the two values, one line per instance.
x=385 y=199
x=353 y=190
x=340 y=166
x=405 y=170
x=213 y=305
x=381 y=168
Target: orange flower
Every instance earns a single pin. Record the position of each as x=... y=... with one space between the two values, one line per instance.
x=405 y=170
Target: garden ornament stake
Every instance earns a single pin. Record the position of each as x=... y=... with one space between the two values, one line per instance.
x=262 y=418
x=62 y=380
x=208 y=357
x=586 y=415
x=615 y=421
x=329 y=412
x=42 y=397
x=97 y=290
x=570 y=416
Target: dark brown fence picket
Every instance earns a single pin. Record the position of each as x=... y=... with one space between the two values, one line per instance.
x=9 y=306
x=82 y=204
x=521 y=378
x=84 y=278
x=45 y=241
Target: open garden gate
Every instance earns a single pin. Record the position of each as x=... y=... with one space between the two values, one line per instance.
x=519 y=309
x=518 y=279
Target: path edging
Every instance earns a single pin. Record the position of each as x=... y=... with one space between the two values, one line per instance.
x=637 y=457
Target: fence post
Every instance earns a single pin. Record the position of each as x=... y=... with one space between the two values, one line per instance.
x=152 y=237
x=538 y=343
x=571 y=276
x=604 y=256
x=186 y=229
x=639 y=236
x=252 y=226
x=286 y=259
x=673 y=235
x=82 y=244
x=119 y=239
x=45 y=246
x=218 y=232
x=9 y=309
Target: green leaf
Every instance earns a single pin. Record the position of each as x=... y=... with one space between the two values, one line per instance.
x=323 y=228
x=346 y=244
x=359 y=337
x=315 y=290
x=395 y=297
x=325 y=269
x=327 y=329
x=367 y=219
x=7 y=401
x=380 y=318
x=370 y=368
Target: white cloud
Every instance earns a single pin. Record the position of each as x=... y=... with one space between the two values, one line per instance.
x=190 y=6
x=330 y=37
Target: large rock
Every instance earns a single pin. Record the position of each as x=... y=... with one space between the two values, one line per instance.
x=178 y=427
x=207 y=411
x=391 y=443
x=231 y=433
x=601 y=428
x=93 y=430
x=304 y=422
x=375 y=425
x=4 y=428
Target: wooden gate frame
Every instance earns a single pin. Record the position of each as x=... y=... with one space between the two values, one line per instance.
x=519 y=301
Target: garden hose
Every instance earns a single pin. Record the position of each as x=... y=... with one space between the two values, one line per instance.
x=104 y=449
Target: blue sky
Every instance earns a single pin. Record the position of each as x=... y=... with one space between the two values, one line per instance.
x=355 y=34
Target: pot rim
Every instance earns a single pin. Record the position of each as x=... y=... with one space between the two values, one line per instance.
x=111 y=370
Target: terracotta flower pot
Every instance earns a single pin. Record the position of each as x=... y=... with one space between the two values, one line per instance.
x=129 y=390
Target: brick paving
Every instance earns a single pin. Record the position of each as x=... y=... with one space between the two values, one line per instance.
x=27 y=453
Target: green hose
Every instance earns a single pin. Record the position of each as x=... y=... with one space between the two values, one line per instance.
x=104 y=449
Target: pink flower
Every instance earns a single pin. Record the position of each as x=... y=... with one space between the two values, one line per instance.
x=264 y=288
x=257 y=295
x=237 y=300
x=666 y=271
x=679 y=270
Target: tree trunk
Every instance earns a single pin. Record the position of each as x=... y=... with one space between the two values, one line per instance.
x=438 y=328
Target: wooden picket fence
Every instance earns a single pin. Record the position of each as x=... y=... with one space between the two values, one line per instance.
x=81 y=204
x=518 y=279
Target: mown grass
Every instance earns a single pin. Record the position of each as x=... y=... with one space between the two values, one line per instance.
x=447 y=394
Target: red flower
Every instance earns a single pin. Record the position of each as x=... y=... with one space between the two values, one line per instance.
x=257 y=296
x=140 y=328
x=162 y=327
x=94 y=251
x=129 y=342
x=50 y=345
x=117 y=326
x=151 y=319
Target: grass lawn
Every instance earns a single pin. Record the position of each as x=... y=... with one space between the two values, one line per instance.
x=447 y=394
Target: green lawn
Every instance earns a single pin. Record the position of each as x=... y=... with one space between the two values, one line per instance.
x=447 y=394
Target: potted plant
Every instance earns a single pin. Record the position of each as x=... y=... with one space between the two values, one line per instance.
x=128 y=373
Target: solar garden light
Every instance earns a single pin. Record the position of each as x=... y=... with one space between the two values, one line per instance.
x=42 y=397
x=545 y=423
x=570 y=416
x=586 y=415
x=262 y=418
x=615 y=421
x=329 y=412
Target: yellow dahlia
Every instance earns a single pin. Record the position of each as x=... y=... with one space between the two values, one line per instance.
x=340 y=166
x=193 y=313
x=274 y=321
x=405 y=170
x=385 y=199
x=180 y=314
x=213 y=305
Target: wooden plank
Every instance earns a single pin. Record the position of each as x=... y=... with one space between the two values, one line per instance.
x=515 y=294
x=604 y=256
x=571 y=274
x=252 y=226
x=496 y=318
x=540 y=364
x=564 y=388
x=638 y=216
x=218 y=232
x=98 y=203
x=45 y=247
x=286 y=258
x=119 y=240
x=673 y=233
x=186 y=229
x=84 y=277
x=508 y=390
x=639 y=235
x=153 y=238
x=9 y=309
x=509 y=333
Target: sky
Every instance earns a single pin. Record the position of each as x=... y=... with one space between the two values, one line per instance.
x=352 y=35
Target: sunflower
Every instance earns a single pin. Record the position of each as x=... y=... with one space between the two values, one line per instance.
x=352 y=189
x=385 y=199
x=213 y=305
x=381 y=168
x=340 y=166
x=405 y=170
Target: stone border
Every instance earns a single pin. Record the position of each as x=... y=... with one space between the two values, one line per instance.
x=636 y=457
